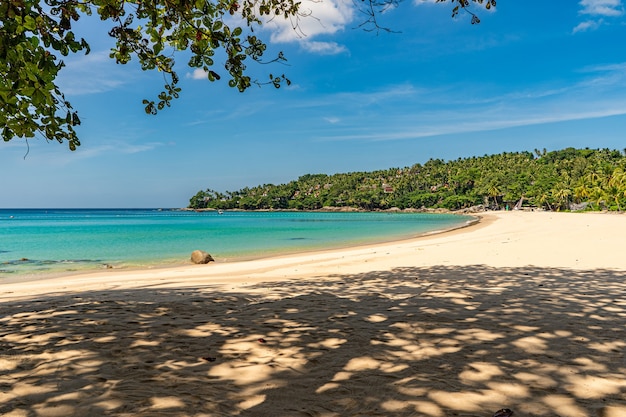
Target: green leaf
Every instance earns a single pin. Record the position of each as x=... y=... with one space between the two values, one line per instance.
x=29 y=23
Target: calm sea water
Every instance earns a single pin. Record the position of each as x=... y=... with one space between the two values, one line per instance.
x=37 y=241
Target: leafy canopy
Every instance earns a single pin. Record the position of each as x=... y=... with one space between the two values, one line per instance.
x=36 y=34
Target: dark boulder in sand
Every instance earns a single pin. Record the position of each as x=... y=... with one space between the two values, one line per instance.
x=201 y=257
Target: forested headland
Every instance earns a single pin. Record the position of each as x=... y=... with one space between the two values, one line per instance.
x=568 y=179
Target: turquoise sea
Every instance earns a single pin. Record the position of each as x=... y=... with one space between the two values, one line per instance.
x=52 y=241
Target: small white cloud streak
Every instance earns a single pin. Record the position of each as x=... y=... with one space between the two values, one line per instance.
x=242 y=110
x=91 y=74
x=428 y=114
x=462 y=127
x=621 y=67
x=587 y=25
x=85 y=152
x=49 y=154
x=602 y=7
x=364 y=99
x=324 y=48
x=198 y=74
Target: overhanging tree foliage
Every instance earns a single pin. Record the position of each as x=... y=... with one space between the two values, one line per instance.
x=36 y=34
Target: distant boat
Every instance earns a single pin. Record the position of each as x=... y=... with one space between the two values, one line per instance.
x=220 y=212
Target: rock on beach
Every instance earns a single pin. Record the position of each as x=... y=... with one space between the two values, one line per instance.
x=201 y=257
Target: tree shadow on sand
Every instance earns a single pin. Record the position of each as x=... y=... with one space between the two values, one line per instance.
x=438 y=341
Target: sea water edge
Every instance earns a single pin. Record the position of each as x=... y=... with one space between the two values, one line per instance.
x=43 y=243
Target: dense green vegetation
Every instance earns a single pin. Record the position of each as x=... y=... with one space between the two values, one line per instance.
x=558 y=180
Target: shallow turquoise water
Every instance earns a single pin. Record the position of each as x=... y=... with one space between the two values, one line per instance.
x=37 y=241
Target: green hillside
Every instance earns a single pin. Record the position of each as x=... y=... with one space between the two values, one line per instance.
x=592 y=179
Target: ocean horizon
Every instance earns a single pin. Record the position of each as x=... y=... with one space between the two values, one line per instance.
x=40 y=242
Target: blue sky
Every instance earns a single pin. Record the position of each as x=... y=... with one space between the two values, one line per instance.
x=532 y=74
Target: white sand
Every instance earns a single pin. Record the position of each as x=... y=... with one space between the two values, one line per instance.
x=525 y=311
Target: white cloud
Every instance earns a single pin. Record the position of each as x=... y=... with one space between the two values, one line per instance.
x=324 y=48
x=198 y=74
x=318 y=18
x=602 y=7
x=598 y=8
x=422 y=113
x=587 y=25
x=613 y=68
x=355 y=100
x=49 y=154
x=392 y=93
x=445 y=123
x=91 y=74
x=606 y=77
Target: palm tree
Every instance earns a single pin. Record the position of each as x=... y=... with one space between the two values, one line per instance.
x=544 y=199
x=581 y=192
x=561 y=193
x=494 y=192
x=616 y=187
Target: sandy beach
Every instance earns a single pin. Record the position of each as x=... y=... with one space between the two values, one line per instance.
x=526 y=311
